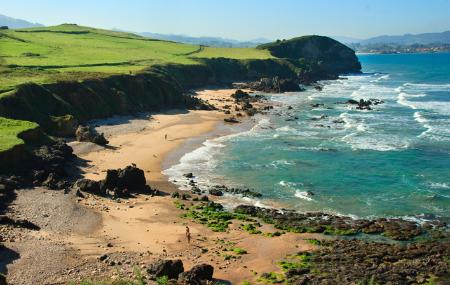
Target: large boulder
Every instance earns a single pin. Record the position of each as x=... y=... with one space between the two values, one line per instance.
x=131 y=179
x=87 y=134
x=199 y=274
x=170 y=268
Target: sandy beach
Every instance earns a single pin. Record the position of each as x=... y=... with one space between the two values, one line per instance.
x=143 y=228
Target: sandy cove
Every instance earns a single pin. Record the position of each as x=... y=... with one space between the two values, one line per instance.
x=148 y=228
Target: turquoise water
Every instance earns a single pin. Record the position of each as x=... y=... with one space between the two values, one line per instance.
x=391 y=161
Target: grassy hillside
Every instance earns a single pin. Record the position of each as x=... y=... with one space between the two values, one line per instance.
x=68 y=52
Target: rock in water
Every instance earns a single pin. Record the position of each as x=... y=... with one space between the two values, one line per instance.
x=170 y=268
x=199 y=274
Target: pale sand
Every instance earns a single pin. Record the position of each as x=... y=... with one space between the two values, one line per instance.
x=145 y=224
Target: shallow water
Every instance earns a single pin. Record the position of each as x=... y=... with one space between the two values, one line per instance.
x=391 y=161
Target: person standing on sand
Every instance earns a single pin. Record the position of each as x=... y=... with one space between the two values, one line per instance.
x=188 y=234
x=165 y=136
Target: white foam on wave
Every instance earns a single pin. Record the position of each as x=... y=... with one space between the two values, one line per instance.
x=303 y=195
x=362 y=136
x=377 y=143
x=202 y=159
x=438 y=185
x=427 y=87
x=403 y=97
x=281 y=163
x=350 y=123
x=424 y=122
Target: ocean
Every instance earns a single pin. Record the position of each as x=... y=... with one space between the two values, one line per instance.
x=314 y=153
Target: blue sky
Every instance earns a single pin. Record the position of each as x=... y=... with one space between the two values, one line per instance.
x=242 y=19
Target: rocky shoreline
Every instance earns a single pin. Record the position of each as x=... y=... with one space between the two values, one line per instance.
x=418 y=258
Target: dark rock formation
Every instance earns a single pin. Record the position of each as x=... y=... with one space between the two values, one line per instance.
x=189 y=175
x=215 y=192
x=396 y=229
x=199 y=274
x=120 y=182
x=240 y=95
x=231 y=120
x=63 y=126
x=87 y=134
x=364 y=104
x=359 y=262
x=245 y=192
x=170 y=268
x=275 y=85
x=89 y=186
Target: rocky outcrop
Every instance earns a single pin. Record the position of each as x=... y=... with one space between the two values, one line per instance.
x=63 y=126
x=118 y=183
x=365 y=104
x=396 y=229
x=244 y=192
x=199 y=274
x=275 y=85
x=87 y=134
x=359 y=262
x=170 y=268
x=174 y=270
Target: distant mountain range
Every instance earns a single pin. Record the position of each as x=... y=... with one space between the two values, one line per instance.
x=403 y=40
x=410 y=39
x=207 y=41
x=16 y=23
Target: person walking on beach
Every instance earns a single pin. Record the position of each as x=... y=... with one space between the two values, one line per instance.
x=165 y=136
x=188 y=234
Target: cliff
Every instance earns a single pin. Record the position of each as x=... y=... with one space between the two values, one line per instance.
x=316 y=54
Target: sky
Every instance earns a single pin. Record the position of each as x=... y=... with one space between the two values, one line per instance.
x=242 y=19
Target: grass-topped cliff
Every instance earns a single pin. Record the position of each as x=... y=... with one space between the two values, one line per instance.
x=322 y=54
x=68 y=52
x=48 y=73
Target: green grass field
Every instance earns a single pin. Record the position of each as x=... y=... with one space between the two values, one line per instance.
x=65 y=52
x=9 y=131
x=72 y=52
